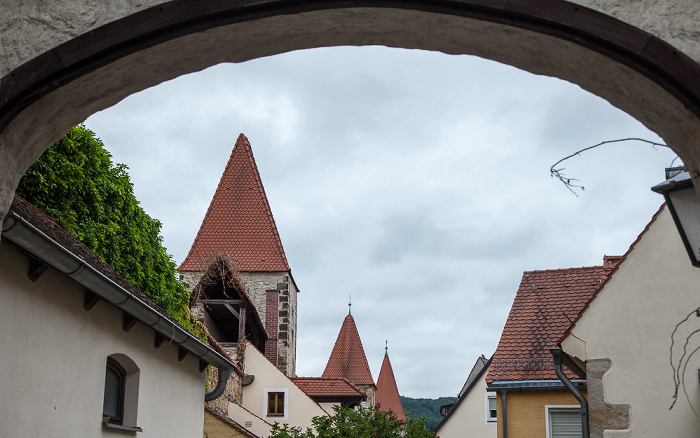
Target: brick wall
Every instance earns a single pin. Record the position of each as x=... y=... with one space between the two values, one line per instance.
x=271 y=324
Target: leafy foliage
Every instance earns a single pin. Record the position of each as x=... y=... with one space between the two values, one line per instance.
x=77 y=184
x=361 y=423
x=425 y=407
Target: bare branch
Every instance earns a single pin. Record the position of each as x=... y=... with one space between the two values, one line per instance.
x=571 y=183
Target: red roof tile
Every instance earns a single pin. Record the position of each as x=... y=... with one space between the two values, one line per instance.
x=387 y=395
x=348 y=357
x=325 y=387
x=239 y=221
x=545 y=304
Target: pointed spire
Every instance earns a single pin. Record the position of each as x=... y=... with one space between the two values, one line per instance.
x=349 y=304
x=348 y=356
x=386 y=348
x=239 y=221
x=387 y=395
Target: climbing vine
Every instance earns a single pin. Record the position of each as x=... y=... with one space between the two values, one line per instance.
x=76 y=182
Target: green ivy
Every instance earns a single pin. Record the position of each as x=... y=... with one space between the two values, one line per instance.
x=77 y=184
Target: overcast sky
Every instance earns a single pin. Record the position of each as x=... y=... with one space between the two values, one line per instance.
x=416 y=182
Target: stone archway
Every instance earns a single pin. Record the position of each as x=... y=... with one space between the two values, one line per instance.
x=62 y=61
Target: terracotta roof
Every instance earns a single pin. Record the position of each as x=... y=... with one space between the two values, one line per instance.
x=387 y=395
x=328 y=387
x=239 y=221
x=546 y=303
x=348 y=357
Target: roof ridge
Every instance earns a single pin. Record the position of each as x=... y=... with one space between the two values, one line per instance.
x=566 y=269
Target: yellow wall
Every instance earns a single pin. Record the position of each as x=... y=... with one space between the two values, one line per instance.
x=215 y=427
x=526 y=412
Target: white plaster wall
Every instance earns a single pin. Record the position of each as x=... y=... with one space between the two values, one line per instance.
x=631 y=322
x=249 y=420
x=301 y=408
x=470 y=417
x=53 y=355
x=674 y=21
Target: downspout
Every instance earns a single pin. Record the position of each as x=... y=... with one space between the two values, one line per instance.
x=223 y=375
x=504 y=411
x=559 y=359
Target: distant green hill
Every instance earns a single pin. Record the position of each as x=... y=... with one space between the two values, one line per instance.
x=425 y=407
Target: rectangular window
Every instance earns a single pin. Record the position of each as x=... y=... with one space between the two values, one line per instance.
x=491 y=408
x=564 y=422
x=275 y=404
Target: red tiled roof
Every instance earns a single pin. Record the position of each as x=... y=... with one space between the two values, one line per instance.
x=348 y=357
x=545 y=304
x=239 y=221
x=387 y=395
x=328 y=387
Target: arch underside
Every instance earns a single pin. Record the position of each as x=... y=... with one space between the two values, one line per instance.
x=633 y=70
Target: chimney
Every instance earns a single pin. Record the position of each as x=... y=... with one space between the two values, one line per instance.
x=611 y=261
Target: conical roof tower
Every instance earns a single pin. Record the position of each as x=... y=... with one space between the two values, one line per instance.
x=387 y=395
x=348 y=357
x=239 y=221
x=239 y=227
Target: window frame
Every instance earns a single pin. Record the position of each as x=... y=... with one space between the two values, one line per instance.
x=120 y=372
x=549 y=409
x=128 y=374
x=266 y=404
x=489 y=418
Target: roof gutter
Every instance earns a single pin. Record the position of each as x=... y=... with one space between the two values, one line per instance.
x=32 y=241
x=559 y=359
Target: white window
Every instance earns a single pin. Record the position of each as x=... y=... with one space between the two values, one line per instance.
x=563 y=421
x=276 y=404
x=491 y=407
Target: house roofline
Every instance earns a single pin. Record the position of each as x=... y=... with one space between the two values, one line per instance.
x=34 y=242
x=465 y=393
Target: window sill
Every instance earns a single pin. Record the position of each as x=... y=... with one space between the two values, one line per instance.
x=109 y=425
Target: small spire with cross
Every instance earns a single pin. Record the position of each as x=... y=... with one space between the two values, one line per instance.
x=386 y=348
x=349 y=304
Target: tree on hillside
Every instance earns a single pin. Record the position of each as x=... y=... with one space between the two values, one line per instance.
x=77 y=184
x=362 y=423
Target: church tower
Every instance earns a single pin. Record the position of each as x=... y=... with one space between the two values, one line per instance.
x=239 y=226
x=348 y=360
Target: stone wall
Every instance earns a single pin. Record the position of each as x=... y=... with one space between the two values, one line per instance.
x=601 y=415
x=257 y=284
x=233 y=392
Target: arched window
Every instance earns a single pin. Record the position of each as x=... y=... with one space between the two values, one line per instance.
x=120 y=404
x=115 y=387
